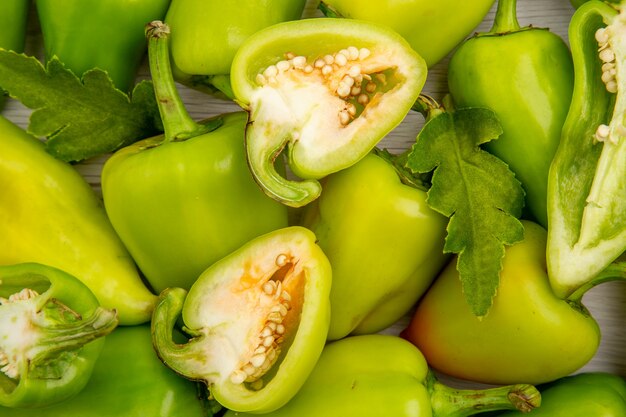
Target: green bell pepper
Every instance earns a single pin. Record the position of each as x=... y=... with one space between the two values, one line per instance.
x=433 y=28
x=596 y=394
x=257 y=319
x=587 y=183
x=51 y=334
x=326 y=91
x=384 y=243
x=49 y=214
x=13 y=19
x=105 y=34
x=525 y=75
x=383 y=375
x=128 y=380
x=528 y=335
x=185 y=199
x=208 y=33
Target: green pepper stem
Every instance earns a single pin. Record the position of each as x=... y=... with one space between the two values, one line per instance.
x=177 y=123
x=506 y=17
x=328 y=10
x=614 y=272
x=450 y=402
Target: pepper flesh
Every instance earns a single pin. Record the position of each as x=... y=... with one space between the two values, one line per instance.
x=257 y=319
x=327 y=90
x=51 y=334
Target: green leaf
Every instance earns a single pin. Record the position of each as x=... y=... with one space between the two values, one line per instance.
x=81 y=118
x=476 y=190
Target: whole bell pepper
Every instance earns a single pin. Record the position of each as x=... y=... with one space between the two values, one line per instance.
x=208 y=33
x=257 y=319
x=105 y=34
x=49 y=214
x=525 y=75
x=587 y=183
x=51 y=334
x=596 y=394
x=384 y=243
x=528 y=335
x=128 y=380
x=185 y=199
x=433 y=28
x=384 y=375
x=325 y=91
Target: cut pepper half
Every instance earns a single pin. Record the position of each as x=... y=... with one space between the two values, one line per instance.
x=327 y=90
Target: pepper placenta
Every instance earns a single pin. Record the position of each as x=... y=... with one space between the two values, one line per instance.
x=433 y=28
x=128 y=380
x=587 y=183
x=325 y=91
x=384 y=243
x=597 y=394
x=257 y=319
x=185 y=199
x=49 y=214
x=528 y=335
x=105 y=34
x=376 y=375
x=525 y=75
x=51 y=334
x=208 y=33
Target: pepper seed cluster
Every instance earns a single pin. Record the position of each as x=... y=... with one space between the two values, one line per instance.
x=8 y=366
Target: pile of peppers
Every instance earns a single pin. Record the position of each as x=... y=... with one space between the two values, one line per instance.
x=253 y=262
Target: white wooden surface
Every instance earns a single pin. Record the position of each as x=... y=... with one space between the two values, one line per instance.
x=607 y=302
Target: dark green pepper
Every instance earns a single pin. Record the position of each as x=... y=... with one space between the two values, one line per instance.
x=13 y=19
x=257 y=319
x=51 y=333
x=587 y=183
x=594 y=394
x=525 y=76
x=105 y=34
x=383 y=375
x=130 y=381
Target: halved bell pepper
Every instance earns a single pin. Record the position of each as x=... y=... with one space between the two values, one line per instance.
x=257 y=319
x=326 y=91
x=51 y=333
x=383 y=375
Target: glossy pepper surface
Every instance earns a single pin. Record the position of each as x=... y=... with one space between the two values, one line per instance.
x=130 y=381
x=325 y=91
x=49 y=214
x=525 y=75
x=185 y=199
x=13 y=19
x=51 y=334
x=596 y=394
x=384 y=243
x=528 y=335
x=105 y=34
x=376 y=375
x=433 y=28
x=587 y=183
x=257 y=321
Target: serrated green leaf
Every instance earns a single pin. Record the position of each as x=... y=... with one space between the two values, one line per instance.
x=81 y=118
x=476 y=190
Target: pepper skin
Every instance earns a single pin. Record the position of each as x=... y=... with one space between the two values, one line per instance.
x=384 y=243
x=257 y=321
x=594 y=394
x=49 y=214
x=128 y=381
x=185 y=199
x=105 y=34
x=433 y=28
x=51 y=334
x=383 y=375
x=528 y=335
x=525 y=75
x=325 y=91
x=13 y=19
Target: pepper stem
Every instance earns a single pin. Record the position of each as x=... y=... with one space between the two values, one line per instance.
x=177 y=123
x=450 y=402
x=506 y=17
x=614 y=272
